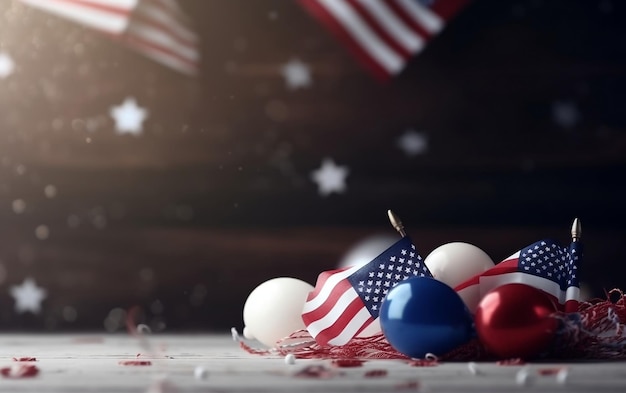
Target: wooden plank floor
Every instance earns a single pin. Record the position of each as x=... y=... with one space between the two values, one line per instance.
x=89 y=363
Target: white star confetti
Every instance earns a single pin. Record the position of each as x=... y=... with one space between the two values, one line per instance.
x=413 y=143
x=297 y=74
x=7 y=65
x=330 y=177
x=28 y=296
x=129 y=117
x=565 y=114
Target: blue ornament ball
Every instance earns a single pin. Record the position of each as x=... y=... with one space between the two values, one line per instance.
x=422 y=315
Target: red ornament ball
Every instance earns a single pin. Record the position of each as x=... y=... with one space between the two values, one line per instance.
x=515 y=321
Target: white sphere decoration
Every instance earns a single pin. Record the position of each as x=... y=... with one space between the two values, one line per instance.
x=457 y=262
x=247 y=333
x=273 y=309
x=290 y=359
x=366 y=250
x=200 y=372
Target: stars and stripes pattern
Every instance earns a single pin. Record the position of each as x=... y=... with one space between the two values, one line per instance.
x=346 y=301
x=158 y=29
x=544 y=265
x=384 y=34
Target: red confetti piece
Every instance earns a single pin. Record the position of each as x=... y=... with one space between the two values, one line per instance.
x=423 y=363
x=135 y=363
x=409 y=385
x=25 y=359
x=20 y=371
x=347 y=363
x=549 y=371
x=376 y=373
x=511 y=362
x=316 y=372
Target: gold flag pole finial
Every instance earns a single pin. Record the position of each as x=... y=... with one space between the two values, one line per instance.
x=397 y=224
x=576 y=230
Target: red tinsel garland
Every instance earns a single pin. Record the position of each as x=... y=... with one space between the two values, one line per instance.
x=596 y=331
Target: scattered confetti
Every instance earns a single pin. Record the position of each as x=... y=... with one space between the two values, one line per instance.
x=375 y=373
x=235 y=334
x=521 y=378
x=316 y=371
x=347 y=363
x=423 y=363
x=511 y=362
x=562 y=376
x=19 y=371
x=473 y=368
x=549 y=371
x=25 y=359
x=135 y=363
x=408 y=385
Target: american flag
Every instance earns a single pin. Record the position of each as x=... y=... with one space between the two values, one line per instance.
x=158 y=29
x=346 y=301
x=544 y=265
x=384 y=34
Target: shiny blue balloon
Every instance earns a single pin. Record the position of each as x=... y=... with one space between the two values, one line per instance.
x=422 y=315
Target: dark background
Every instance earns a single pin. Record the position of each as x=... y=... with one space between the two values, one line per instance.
x=216 y=196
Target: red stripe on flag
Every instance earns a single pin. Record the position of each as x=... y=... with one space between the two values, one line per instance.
x=323 y=309
x=406 y=18
x=571 y=305
x=321 y=282
x=380 y=30
x=165 y=29
x=320 y=12
x=173 y=9
x=141 y=43
x=97 y=6
x=344 y=319
x=508 y=266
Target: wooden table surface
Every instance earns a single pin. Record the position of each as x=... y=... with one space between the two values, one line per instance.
x=91 y=363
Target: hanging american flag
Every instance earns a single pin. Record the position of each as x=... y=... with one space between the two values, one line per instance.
x=384 y=34
x=544 y=265
x=346 y=301
x=158 y=29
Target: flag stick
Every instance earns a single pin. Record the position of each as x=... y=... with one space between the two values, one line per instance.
x=397 y=224
x=576 y=230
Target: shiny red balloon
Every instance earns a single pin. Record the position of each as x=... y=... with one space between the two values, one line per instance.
x=514 y=321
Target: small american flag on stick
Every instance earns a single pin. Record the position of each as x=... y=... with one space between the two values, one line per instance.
x=544 y=265
x=158 y=29
x=384 y=34
x=346 y=301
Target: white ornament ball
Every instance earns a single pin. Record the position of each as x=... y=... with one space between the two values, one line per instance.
x=290 y=359
x=247 y=333
x=200 y=372
x=457 y=262
x=366 y=250
x=273 y=310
